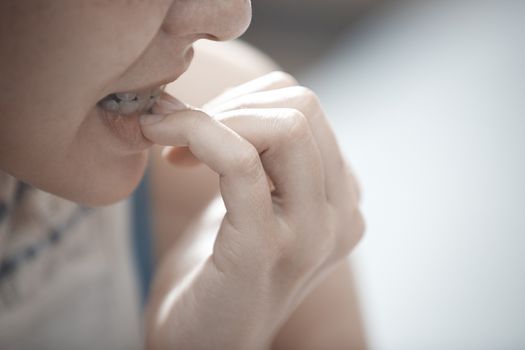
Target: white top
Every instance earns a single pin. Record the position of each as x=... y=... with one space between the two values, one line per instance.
x=66 y=276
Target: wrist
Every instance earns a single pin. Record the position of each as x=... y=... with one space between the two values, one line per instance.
x=204 y=311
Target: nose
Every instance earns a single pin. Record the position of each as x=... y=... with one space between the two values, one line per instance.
x=212 y=19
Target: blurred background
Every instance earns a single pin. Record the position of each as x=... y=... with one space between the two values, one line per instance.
x=428 y=101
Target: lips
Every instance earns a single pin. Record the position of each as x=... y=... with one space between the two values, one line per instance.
x=120 y=111
x=128 y=103
x=125 y=130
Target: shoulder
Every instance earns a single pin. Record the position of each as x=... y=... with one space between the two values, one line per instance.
x=218 y=66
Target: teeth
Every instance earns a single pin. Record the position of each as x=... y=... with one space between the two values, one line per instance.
x=141 y=104
x=110 y=105
x=126 y=96
x=144 y=95
x=156 y=93
x=128 y=107
x=150 y=104
x=127 y=103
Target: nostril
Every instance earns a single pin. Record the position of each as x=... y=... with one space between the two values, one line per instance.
x=210 y=37
x=205 y=36
x=209 y=19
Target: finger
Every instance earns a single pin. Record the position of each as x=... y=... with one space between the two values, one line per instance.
x=271 y=81
x=289 y=155
x=180 y=156
x=289 y=152
x=354 y=183
x=243 y=182
x=304 y=100
x=274 y=80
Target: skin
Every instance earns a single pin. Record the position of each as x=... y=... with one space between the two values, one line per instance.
x=268 y=253
x=277 y=244
x=62 y=57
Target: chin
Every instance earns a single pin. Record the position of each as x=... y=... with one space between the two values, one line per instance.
x=115 y=184
x=108 y=184
x=106 y=196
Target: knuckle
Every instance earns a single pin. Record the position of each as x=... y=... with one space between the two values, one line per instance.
x=351 y=234
x=196 y=121
x=306 y=92
x=246 y=161
x=297 y=126
x=286 y=78
x=354 y=186
x=290 y=258
x=309 y=98
x=305 y=248
x=349 y=188
x=360 y=227
x=286 y=245
x=329 y=232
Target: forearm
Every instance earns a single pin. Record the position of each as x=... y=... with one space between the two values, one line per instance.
x=222 y=318
x=206 y=317
x=329 y=318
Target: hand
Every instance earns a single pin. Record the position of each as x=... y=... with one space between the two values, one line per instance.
x=272 y=247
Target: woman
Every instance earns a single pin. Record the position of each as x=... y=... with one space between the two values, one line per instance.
x=83 y=104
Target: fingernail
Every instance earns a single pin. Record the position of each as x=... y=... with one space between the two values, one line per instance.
x=147 y=119
x=168 y=104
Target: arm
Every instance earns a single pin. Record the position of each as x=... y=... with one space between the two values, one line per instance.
x=328 y=318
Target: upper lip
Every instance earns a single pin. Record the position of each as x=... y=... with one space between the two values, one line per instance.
x=152 y=86
x=149 y=89
x=158 y=83
x=144 y=89
x=164 y=81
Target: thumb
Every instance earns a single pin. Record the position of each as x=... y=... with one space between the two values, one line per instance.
x=179 y=156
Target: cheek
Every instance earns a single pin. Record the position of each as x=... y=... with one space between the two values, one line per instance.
x=103 y=181
x=82 y=163
x=58 y=67
x=94 y=179
x=57 y=70
x=96 y=169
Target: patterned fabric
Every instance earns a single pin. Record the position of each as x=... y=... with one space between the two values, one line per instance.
x=142 y=242
x=66 y=275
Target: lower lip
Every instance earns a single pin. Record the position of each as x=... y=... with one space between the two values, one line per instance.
x=126 y=130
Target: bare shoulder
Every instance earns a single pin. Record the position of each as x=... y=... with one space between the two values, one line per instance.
x=218 y=66
x=179 y=195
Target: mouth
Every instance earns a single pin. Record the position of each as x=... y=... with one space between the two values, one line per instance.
x=120 y=112
x=141 y=101
x=132 y=102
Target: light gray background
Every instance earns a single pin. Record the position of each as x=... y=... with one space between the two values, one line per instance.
x=428 y=101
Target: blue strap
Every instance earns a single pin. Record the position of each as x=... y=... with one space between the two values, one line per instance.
x=142 y=238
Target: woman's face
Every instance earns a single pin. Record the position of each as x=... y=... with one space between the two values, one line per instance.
x=64 y=128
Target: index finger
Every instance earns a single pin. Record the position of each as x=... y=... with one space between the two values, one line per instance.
x=270 y=81
x=243 y=183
